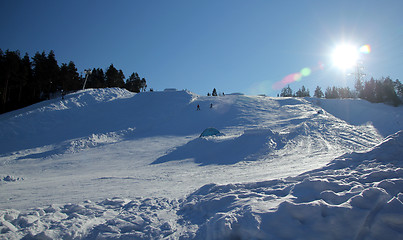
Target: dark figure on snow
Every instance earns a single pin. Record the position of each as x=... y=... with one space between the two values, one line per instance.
x=198 y=107
x=211 y=105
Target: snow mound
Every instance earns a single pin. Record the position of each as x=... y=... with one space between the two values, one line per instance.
x=356 y=196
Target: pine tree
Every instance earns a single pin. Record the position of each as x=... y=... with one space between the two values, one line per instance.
x=40 y=76
x=379 y=92
x=69 y=78
x=302 y=92
x=135 y=84
x=399 y=88
x=214 y=93
x=328 y=93
x=368 y=92
x=143 y=85
x=121 y=79
x=344 y=92
x=286 y=92
x=359 y=87
x=24 y=97
x=298 y=93
x=96 y=79
x=10 y=69
x=53 y=69
x=318 y=92
x=335 y=93
x=389 y=92
x=114 y=78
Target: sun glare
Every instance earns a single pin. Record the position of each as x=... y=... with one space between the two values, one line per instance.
x=345 y=56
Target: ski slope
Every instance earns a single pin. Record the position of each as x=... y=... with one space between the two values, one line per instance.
x=108 y=163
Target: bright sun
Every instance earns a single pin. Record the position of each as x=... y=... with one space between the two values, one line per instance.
x=345 y=56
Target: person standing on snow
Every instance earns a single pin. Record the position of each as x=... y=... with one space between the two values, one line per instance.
x=211 y=105
x=198 y=107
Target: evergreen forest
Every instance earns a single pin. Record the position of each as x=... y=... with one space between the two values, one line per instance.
x=25 y=81
x=383 y=90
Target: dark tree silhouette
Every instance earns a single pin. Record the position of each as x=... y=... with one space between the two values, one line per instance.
x=133 y=84
x=69 y=78
x=24 y=82
x=214 y=93
x=114 y=78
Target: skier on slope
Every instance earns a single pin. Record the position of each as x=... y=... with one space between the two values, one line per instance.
x=198 y=107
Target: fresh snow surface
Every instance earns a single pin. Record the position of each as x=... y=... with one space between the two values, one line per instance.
x=110 y=164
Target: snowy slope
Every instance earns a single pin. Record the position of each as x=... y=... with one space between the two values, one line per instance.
x=356 y=196
x=387 y=119
x=79 y=115
x=112 y=164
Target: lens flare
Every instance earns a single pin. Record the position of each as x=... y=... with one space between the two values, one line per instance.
x=306 y=72
x=365 y=49
x=296 y=77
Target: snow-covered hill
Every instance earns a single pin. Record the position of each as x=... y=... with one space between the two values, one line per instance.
x=111 y=164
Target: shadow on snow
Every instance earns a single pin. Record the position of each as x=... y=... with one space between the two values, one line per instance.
x=224 y=150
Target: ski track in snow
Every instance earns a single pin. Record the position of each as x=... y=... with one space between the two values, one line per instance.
x=109 y=164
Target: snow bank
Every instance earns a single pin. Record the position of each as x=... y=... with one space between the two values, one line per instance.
x=356 y=196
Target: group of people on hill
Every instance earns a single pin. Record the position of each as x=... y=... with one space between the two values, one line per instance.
x=198 y=106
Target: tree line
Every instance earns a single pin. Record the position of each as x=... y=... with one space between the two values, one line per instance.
x=383 y=90
x=25 y=81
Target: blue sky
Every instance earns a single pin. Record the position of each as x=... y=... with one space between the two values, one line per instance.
x=231 y=45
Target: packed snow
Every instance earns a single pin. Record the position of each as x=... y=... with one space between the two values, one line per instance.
x=110 y=164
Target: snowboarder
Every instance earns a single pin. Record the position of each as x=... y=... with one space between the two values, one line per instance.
x=198 y=107
x=211 y=105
